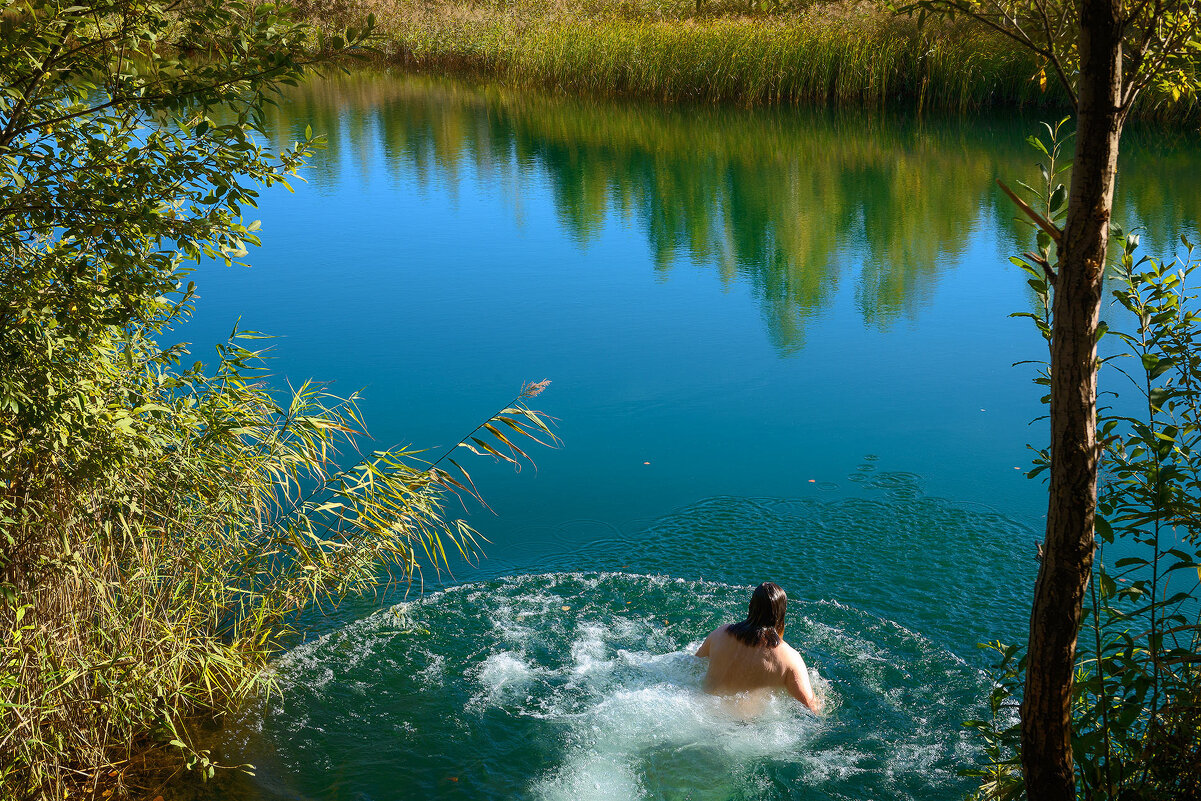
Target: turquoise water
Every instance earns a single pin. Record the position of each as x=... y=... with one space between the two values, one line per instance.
x=779 y=348
x=577 y=680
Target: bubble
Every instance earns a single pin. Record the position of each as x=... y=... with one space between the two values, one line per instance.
x=502 y=675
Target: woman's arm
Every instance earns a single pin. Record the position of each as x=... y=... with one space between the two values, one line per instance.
x=796 y=680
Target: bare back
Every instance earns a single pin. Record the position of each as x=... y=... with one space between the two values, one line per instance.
x=735 y=667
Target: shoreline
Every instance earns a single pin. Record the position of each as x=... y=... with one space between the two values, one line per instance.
x=838 y=54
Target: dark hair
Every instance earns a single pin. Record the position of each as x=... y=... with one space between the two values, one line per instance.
x=764 y=624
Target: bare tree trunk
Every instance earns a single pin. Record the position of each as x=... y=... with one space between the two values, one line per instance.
x=1068 y=549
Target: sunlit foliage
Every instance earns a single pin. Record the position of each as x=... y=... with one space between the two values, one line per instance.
x=161 y=524
x=1137 y=687
x=838 y=53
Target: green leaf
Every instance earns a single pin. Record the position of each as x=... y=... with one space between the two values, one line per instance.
x=1162 y=366
x=1058 y=197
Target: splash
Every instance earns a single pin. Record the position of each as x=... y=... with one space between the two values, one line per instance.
x=583 y=686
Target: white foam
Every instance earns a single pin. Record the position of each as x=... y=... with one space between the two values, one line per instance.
x=434 y=673
x=621 y=706
x=592 y=777
x=619 y=692
x=693 y=739
x=503 y=676
x=589 y=651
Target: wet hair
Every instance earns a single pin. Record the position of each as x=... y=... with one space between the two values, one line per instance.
x=764 y=624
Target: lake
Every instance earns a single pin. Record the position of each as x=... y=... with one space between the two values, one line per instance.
x=779 y=348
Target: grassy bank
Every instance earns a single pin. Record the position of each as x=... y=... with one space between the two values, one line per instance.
x=844 y=53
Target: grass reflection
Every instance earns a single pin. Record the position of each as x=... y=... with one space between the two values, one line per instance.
x=790 y=203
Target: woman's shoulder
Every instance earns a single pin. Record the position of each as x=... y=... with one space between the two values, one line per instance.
x=791 y=654
x=721 y=632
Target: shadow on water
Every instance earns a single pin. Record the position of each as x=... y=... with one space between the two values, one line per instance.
x=578 y=683
x=791 y=203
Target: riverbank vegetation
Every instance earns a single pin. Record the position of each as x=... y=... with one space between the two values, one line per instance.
x=840 y=53
x=1119 y=722
x=844 y=52
x=161 y=525
x=1136 y=695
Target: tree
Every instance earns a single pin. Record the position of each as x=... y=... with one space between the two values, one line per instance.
x=159 y=524
x=1107 y=54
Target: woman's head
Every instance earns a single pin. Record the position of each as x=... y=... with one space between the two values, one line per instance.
x=764 y=624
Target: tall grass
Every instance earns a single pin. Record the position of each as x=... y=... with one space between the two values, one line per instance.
x=837 y=53
x=810 y=59
x=843 y=52
x=151 y=579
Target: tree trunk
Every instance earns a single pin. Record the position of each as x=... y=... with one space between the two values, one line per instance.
x=1068 y=548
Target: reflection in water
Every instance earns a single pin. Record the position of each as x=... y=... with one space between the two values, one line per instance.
x=577 y=682
x=788 y=202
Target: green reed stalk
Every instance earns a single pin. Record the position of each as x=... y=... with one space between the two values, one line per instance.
x=838 y=53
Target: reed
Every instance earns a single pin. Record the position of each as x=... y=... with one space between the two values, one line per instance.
x=840 y=53
x=844 y=52
x=151 y=603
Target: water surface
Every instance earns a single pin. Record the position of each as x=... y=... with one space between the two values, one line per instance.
x=780 y=349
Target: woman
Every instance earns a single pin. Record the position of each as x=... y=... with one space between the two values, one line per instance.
x=751 y=655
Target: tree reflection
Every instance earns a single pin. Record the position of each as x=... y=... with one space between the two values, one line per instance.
x=789 y=203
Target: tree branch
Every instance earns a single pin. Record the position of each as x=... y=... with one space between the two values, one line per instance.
x=1039 y=220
